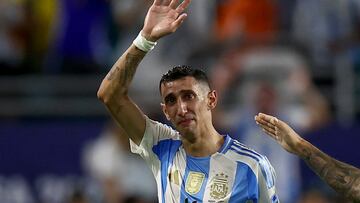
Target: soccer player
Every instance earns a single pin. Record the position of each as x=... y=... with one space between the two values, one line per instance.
x=342 y=177
x=194 y=163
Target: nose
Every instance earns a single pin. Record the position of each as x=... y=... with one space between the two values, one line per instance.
x=182 y=108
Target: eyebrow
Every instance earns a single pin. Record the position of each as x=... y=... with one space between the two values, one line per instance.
x=181 y=92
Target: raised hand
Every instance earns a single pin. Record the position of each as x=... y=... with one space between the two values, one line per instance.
x=342 y=177
x=280 y=131
x=164 y=17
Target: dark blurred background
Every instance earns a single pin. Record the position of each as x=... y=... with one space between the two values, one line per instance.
x=298 y=60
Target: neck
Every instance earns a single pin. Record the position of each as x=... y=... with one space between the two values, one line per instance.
x=205 y=143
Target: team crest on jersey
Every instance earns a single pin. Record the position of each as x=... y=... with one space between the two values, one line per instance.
x=194 y=182
x=174 y=177
x=219 y=186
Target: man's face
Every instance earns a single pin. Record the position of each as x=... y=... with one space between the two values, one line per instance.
x=187 y=103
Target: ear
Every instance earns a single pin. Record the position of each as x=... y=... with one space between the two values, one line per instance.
x=212 y=99
x=164 y=111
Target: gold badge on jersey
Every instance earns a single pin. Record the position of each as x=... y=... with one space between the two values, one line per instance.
x=194 y=182
x=174 y=177
x=219 y=186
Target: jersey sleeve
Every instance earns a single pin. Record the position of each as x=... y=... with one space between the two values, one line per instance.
x=154 y=133
x=266 y=180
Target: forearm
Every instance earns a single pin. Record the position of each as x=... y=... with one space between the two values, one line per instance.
x=113 y=92
x=116 y=83
x=342 y=177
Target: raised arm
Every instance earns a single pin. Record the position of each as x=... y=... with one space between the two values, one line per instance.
x=342 y=177
x=163 y=18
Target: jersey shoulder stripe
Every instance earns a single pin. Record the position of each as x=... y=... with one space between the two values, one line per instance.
x=264 y=164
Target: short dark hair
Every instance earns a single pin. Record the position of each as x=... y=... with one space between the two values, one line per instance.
x=182 y=71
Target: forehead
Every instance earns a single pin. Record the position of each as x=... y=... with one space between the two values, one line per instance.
x=185 y=83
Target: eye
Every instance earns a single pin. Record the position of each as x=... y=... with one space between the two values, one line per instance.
x=170 y=100
x=189 y=96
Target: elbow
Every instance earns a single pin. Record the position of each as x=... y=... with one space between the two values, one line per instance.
x=101 y=95
x=107 y=96
x=104 y=95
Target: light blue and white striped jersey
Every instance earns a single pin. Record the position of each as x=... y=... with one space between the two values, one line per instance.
x=234 y=174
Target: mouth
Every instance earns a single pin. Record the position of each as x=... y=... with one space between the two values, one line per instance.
x=185 y=122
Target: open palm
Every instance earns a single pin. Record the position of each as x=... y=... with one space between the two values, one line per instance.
x=280 y=131
x=164 y=17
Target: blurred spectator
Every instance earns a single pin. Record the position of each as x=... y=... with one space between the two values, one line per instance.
x=247 y=19
x=269 y=79
x=42 y=22
x=329 y=32
x=198 y=31
x=281 y=67
x=15 y=189
x=80 y=37
x=286 y=11
x=122 y=175
x=128 y=17
x=325 y=28
x=12 y=35
x=287 y=167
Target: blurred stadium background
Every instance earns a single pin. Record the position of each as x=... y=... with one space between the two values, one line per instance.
x=299 y=60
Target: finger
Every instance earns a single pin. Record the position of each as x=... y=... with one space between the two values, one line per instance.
x=271 y=133
x=267 y=128
x=271 y=119
x=270 y=129
x=157 y=2
x=174 y=3
x=274 y=120
x=166 y=2
x=264 y=122
x=183 y=6
x=265 y=117
x=179 y=21
x=259 y=119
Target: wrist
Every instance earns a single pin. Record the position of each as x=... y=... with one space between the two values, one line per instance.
x=148 y=36
x=301 y=148
x=143 y=43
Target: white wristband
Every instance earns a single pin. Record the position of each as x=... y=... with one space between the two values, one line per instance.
x=143 y=44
